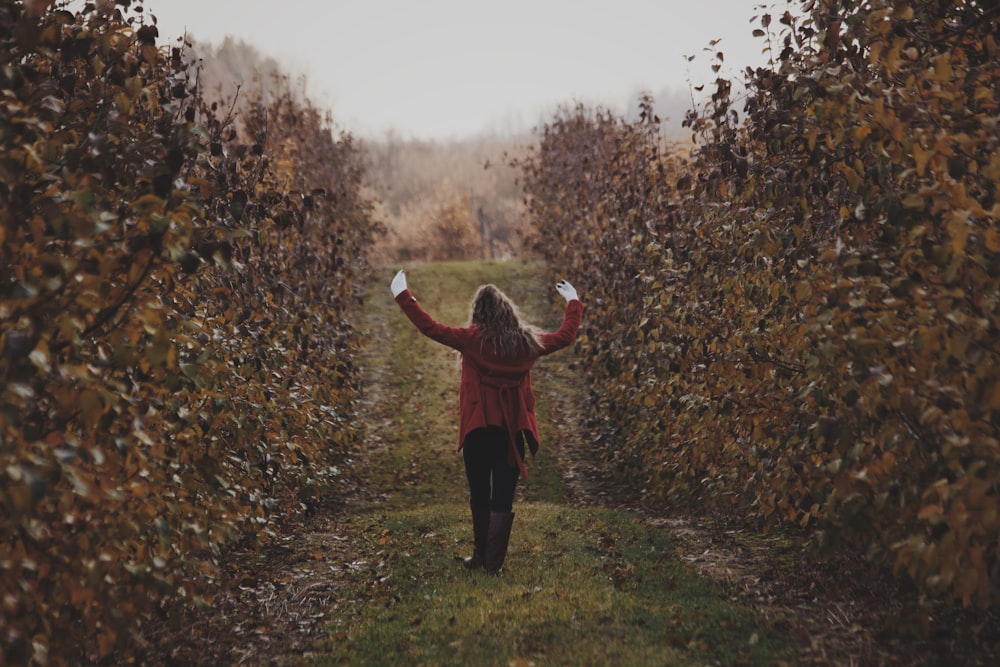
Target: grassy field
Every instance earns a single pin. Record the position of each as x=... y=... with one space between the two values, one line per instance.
x=583 y=585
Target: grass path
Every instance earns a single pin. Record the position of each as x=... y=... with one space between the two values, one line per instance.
x=371 y=578
x=584 y=585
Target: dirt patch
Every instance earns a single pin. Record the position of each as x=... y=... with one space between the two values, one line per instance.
x=273 y=602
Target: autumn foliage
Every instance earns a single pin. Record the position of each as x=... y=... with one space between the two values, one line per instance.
x=175 y=359
x=799 y=320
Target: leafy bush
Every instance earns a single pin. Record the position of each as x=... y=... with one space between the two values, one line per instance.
x=176 y=359
x=800 y=320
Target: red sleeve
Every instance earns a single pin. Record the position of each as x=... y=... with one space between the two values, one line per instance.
x=566 y=334
x=455 y=337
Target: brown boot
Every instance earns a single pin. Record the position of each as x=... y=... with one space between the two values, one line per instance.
x=480 y=531
x=497 y=540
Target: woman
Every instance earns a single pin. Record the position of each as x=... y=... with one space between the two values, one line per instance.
x=497 y=404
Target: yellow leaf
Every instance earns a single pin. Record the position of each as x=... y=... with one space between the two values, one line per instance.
x=897 y=129
x=852 y=177
x=122 y=103
x=992 y=239
x=803 y=290
x=932 y=513
x=106 y=641
x=37 y=226
x=958 y=227
x=147 y=200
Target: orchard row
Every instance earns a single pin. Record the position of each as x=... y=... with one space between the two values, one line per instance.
x=796 y=319
x=176 y=365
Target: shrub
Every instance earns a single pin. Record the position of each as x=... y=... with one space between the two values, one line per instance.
x=176 y=354
x=802 y=322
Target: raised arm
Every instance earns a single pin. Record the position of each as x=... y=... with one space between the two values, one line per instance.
x=566 y=334
x=451 y=336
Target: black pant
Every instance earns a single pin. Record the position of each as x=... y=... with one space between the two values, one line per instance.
x=492 y=480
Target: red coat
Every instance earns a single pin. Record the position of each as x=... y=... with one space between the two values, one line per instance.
x=494 y=392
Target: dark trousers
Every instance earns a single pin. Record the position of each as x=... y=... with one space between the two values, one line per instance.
x=492 y=481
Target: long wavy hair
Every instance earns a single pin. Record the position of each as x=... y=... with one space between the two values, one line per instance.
x=501 y=325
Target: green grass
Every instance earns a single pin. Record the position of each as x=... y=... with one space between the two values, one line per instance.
x=582 y=585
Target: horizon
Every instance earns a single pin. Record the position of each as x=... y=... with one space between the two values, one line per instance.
x=419 y=72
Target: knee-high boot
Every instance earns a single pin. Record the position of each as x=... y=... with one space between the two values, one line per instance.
x=480 y=533
x=497 y=540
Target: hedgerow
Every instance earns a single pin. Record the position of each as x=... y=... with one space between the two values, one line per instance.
x=176 y=369
x=798 y=319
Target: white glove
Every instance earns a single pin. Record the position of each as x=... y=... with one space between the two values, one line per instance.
x=567 y=291
x=398 y=285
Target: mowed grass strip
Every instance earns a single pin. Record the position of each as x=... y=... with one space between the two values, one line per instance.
x=582 y=585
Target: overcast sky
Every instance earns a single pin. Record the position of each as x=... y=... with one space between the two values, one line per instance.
x=448 y=69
